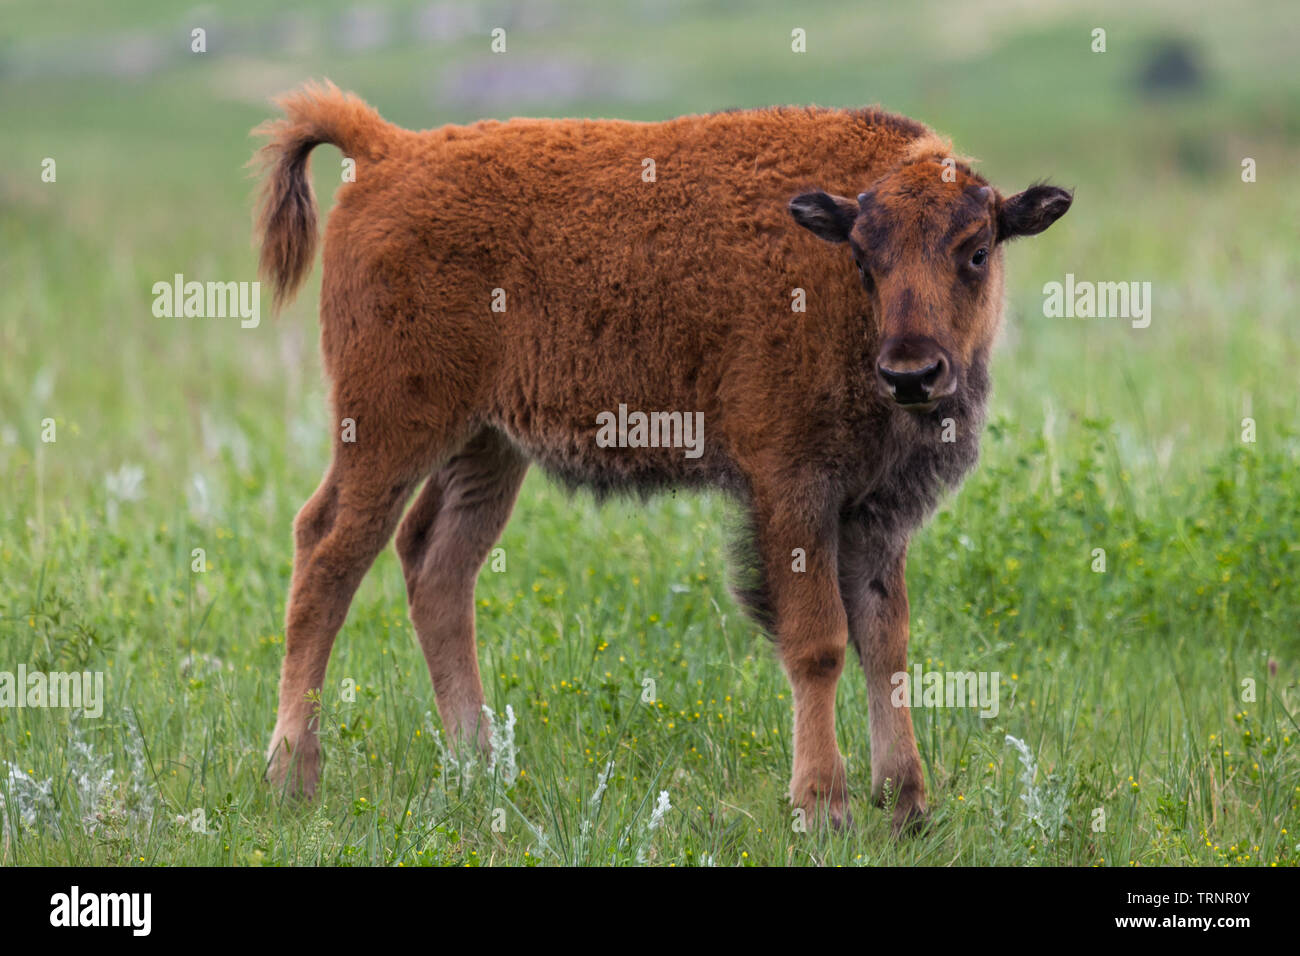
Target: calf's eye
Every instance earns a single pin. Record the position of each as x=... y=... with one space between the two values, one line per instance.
x=981 y=256
x=867 y=282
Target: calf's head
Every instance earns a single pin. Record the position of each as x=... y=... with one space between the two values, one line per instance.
x=927 y=240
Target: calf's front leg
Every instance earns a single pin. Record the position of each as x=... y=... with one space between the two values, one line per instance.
x=812 y=632
x=875 y=598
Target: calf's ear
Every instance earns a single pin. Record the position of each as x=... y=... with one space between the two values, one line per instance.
x=825 y=216
x=1030 y=212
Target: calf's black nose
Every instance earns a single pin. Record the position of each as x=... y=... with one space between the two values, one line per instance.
x=913 y=386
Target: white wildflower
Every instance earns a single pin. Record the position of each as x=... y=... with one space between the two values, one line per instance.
x=123 y=486
x=602 y=782
x=199 y=497
x=199 y=664
x=661 y=808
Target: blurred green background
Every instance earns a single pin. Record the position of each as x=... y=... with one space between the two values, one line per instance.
x=181 y=433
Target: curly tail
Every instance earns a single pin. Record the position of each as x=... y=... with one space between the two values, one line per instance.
x=286 y=224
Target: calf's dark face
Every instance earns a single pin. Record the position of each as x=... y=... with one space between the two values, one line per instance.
x=927 y=240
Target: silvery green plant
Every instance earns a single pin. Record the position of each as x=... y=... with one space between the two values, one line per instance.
x=94 y=796
x=29 y=801
x=98 y=797
x=460 y=769
x=1045 y=804
x=661 y=808
x=504 y=751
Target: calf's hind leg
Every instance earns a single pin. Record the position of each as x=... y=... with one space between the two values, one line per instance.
x=443 y=542
x=337 y=535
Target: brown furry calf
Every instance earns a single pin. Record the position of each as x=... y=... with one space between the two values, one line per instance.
x=838 y=426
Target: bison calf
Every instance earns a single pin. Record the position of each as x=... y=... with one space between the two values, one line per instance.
x=504 y=293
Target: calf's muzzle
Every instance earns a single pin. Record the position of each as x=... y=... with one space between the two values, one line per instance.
x=915 y=372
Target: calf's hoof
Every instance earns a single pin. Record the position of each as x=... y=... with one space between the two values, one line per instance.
x=294 y=769
x=910 y=819
x=910 y=815
x=825 y=803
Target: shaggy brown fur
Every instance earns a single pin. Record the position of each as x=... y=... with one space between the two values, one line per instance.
x=671 y=295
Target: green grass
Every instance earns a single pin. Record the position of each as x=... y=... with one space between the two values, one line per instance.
x=1127 y=685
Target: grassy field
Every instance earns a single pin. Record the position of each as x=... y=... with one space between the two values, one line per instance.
x=1130 y=689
